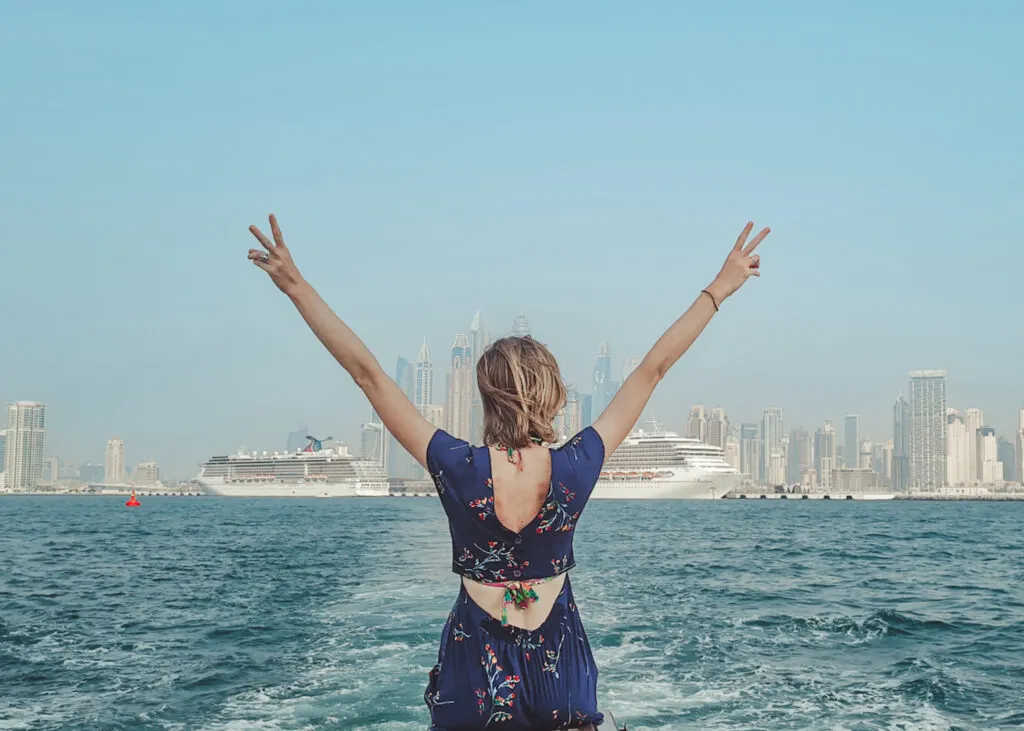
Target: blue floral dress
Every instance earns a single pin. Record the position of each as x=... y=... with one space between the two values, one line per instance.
x=490 y=675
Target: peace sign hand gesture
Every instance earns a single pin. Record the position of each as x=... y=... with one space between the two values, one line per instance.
x=741 y=264
x=276 y=260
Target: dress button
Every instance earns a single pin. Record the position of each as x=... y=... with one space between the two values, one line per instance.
x=519 y=539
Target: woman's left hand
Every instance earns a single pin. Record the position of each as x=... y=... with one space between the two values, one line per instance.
x=741 y=264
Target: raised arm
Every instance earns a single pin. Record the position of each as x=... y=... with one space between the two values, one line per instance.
x=392 y=405
x=622 y=413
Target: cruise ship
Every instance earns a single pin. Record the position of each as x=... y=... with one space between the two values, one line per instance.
x=656 y=464
x=314 y=471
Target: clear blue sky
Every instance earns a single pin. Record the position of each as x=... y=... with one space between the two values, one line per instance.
x=588 y=165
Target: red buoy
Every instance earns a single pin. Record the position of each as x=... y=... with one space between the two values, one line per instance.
x=132 y=501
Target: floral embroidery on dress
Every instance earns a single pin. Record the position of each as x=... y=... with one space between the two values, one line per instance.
x=554 y=515
x=495 y=560
x=552 y=657
x=484 y=505
x=500 y=691
x=560 y=564
x=525 y=640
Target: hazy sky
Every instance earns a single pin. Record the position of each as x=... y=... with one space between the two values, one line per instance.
x=588 y=165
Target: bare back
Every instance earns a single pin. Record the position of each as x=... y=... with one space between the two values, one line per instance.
x=519 y=496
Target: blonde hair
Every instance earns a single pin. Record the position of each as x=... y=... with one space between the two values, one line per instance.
x=521 y=390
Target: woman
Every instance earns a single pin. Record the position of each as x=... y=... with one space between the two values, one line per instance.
x=513 y=653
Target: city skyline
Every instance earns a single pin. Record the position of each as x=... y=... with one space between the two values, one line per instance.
x=763 y=450
x=593 y=181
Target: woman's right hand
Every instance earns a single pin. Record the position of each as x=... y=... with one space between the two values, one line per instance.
x=741 y=264
x=276 y=260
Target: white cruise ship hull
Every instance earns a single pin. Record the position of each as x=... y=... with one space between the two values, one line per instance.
x=294 y=489
x=707 y=488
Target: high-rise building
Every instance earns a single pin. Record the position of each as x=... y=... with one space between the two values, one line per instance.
x=771 y=436
x=718 y=427
x=630 y=365
x=732 y=452
x=400 y=463
x=113 y=468
x=827 y=450
x=750 y=453
x=901 y=445
x=973 y=421
x=851 y=443
x=478 y=342
x=604 y=386
x=434 y=414
x=375 y=441
x=988 y=454
x=1006 y=452
x=146 y=473
x=866 y=453
x=927 y=430
x=957 y=452
x=697 y=424
x=3 y=448
x=24 y=445
x=800 y=456
x=460 y=390
x=520 y=326
x=587 y=408
x=569 y=420
x=423 y=380
x=885 y=469
x=51 y=470
x=1020 y=446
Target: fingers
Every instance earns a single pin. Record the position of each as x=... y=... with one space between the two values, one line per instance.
x=743 y=236
x=256 y=254
x=756 y=240
x=261 y=238
x=276 y=231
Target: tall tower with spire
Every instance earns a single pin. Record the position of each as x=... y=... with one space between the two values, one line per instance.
x=423 y=380
x=478 y=342
x=460 y=389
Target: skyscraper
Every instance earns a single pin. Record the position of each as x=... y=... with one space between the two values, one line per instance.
x=26 y=440
x=423 y=380
x=1020 y=446
x=827 y=449
x=718 y=427
x=520 y=326
x=113 y=470
x=604 y=386
x=901 y=445
x=697 y=424
x=957 y=452
x=460 y=390
x=569 y=420
x=973 y=421
x=800 y=456
x=927 y=430
x=478 y=342
x=1006 y=452
x=771 y=436
x=851 y=442
x=988 y=453
x=375 y=441
x=750 y=453
x=401 y=463
x=630 y=365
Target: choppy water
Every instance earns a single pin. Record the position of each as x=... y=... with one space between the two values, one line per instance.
x=203 y=613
